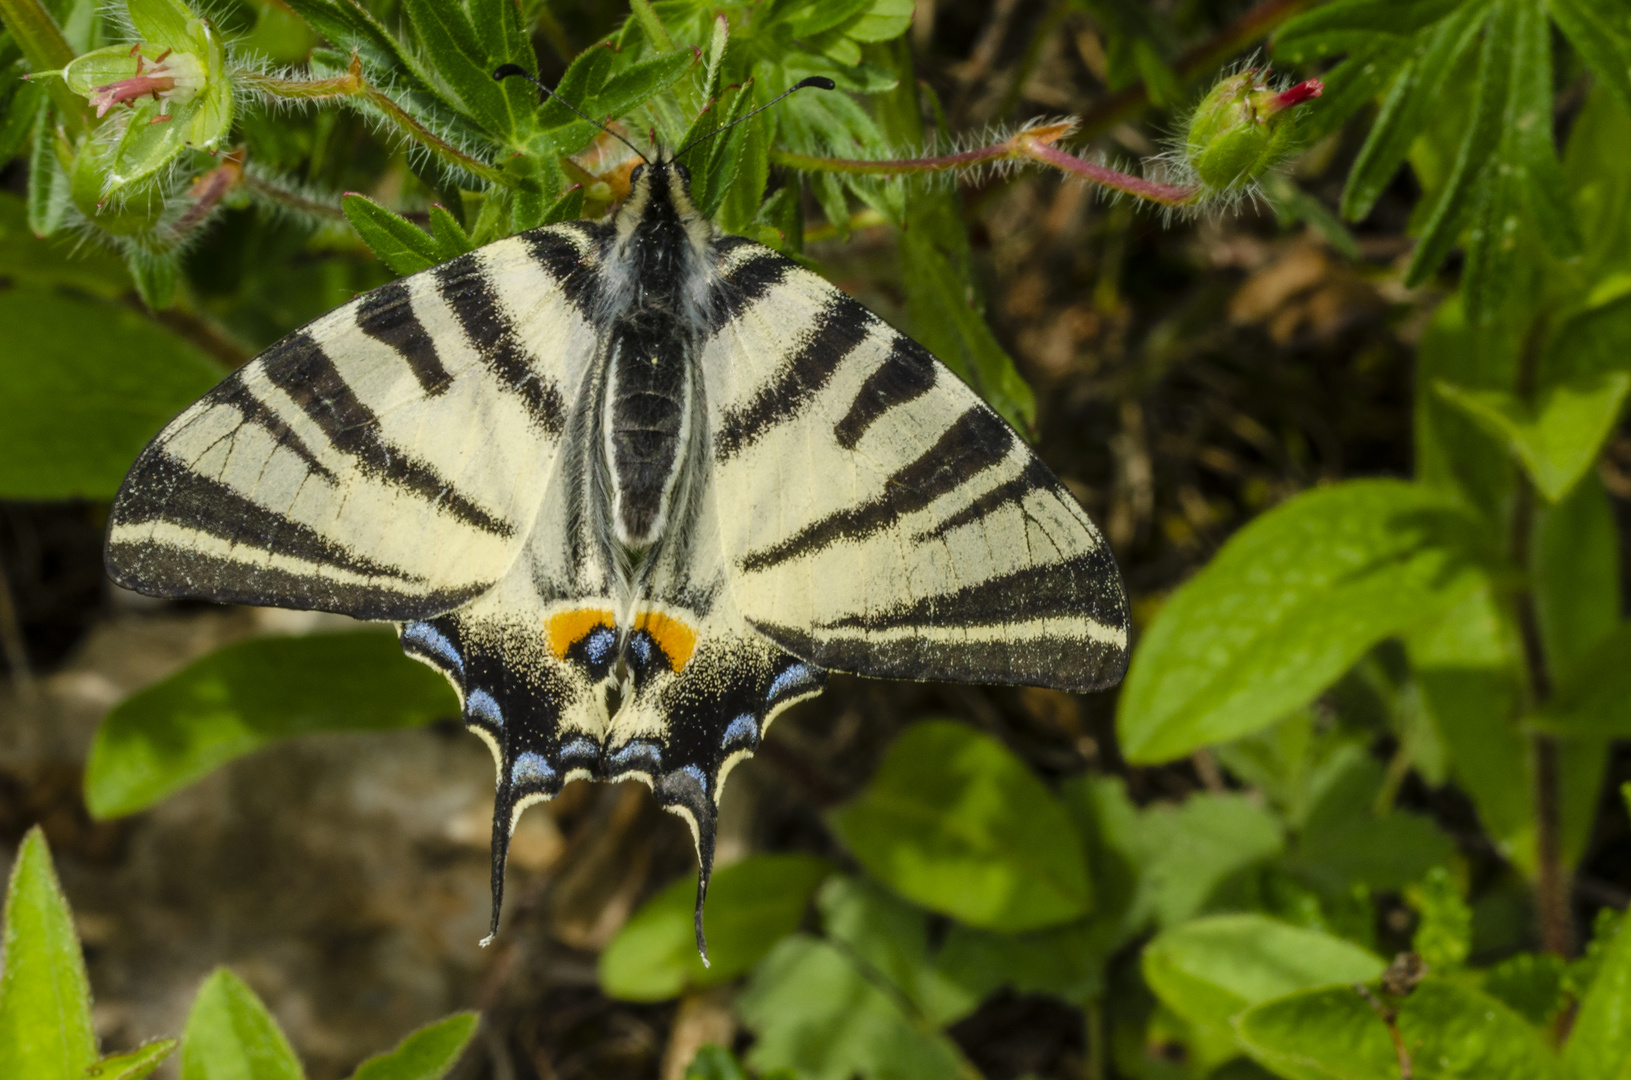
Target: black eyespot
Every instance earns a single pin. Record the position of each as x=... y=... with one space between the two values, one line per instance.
x=685 y=174
x=634 y=177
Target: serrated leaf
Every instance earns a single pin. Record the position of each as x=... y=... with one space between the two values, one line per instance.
x=1210 y=969
x=466 y=63
x=231 y=1036
x=133 y=1064
x=1600 y=1041
x=428 y=1054
x=45 y=997
x=751 y=905
x=1558 y=437
x=399 y=243
x=84 y=384
x=884 y=20
x=954 y=822
x=249 y=695
x=1289 y=604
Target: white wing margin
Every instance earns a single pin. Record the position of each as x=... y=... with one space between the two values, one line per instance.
x=876 y=516
x=386 y=461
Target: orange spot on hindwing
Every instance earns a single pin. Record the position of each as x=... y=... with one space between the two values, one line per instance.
x=677 y=640
x=566 y=628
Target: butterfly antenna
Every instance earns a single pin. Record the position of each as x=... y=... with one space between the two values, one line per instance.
x=820 y=82
x=506 y=70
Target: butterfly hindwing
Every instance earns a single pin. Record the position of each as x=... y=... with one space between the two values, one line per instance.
x=386 y=461
x=877 y=516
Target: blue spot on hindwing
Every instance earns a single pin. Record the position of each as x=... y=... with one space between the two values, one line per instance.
x=432 y=641
x=792 y=677
x=743 y=733
x=480 y=705
x=531 y=768
x=598 y=645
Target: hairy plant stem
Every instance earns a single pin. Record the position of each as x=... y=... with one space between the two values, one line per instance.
x=1551 y=875
x=1033 y=144
x=353 y=86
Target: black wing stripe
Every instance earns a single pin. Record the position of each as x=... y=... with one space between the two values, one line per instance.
x=298 y=366
x=1035 y=475
x=257 y=412
x=387 y=316
x=173 y=571
x=745 y=284
x=468 y=291
x=1083 y=585
x=164 y=489
x=977 y=441
x=905 y=375
x=565 y=262
x=838 y=330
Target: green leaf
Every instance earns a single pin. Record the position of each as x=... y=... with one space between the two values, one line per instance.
x=47 y=183
x=1289 y=604
x=451 y=239
x=133 y=1064
x=1599 y=1045
x=715 y=1063
x=751 y=905
x=1529 y=127
x=90 y=269
x=890 y=939
x=466 y=64
x=1443 y=936
x=164 y=22
x=428 y=1054
x=955 y=822
x=1479 y=147
x=815 y=1010
x=1596 y=702
x=1461 y=1032
x=399 y=243
x=84 y=384
x=1210 y=969
x=1450 y=1032
x=1066 y=962
x=1330 y=1033
x=713 y=175
x=1603 y=44
x=1557 y=438
x=231 y=1036
x=883 y=20
x=1344 y=843
x=1415 y=91
x=1531 y=984
x=1332 y=29
x=45 y=998
x=1187 y=851
x=246 y=696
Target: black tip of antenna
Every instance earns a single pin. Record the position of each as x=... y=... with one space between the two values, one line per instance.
x=506 y=70
x=820 y=82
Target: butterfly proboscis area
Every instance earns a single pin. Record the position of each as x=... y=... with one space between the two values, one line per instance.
x=634 y=486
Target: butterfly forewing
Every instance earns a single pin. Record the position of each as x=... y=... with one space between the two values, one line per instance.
x=878 y=517
x=386 y=461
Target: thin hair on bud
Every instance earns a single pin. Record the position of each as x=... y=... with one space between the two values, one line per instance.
x=504 y=71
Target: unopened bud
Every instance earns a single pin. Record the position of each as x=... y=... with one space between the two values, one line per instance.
x=1242 y=128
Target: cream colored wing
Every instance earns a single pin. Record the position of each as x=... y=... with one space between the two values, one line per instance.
x=386 y=461
x=876 y=516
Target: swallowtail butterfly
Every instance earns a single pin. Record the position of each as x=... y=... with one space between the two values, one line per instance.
x=634 y=486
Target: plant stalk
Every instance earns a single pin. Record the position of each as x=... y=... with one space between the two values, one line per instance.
x=1552 y=885
x=1033 y=144
x=352 y=85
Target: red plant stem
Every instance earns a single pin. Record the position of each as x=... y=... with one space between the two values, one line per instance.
x=1138 y=187
x=1034 y=145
